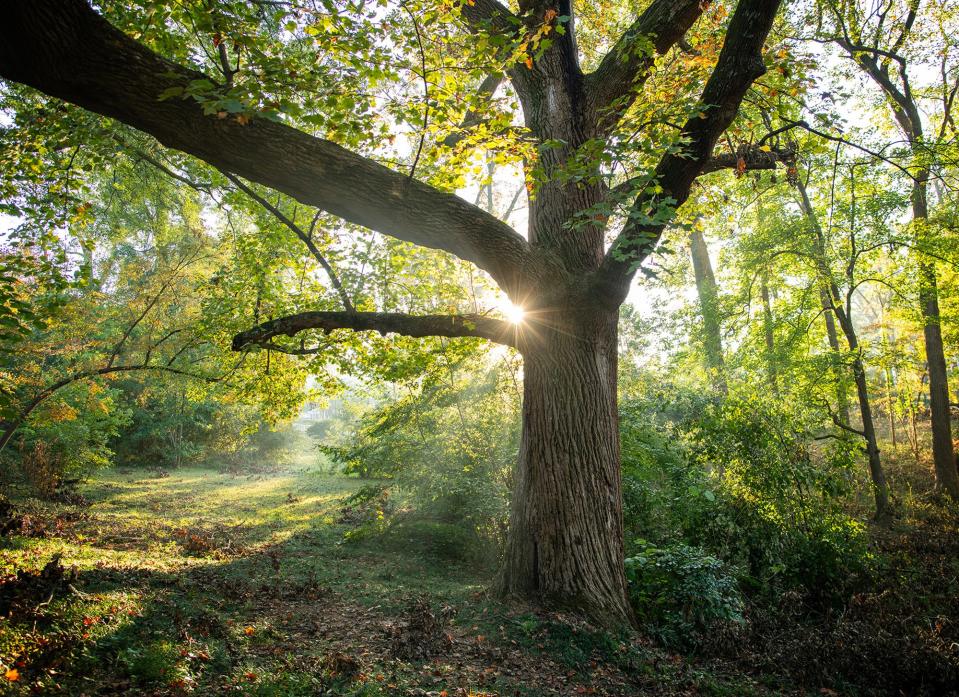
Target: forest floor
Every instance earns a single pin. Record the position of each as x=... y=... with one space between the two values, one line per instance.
x=199 y=582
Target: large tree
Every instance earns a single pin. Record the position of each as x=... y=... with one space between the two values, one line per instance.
x=570 y=272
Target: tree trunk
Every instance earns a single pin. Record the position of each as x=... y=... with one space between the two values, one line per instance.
x=565 y=543
x=833 y=305
x=771 y=372
x=825 y=299
x=709 y=306
x=842 y=399
x=947 y=478
x=880 y=489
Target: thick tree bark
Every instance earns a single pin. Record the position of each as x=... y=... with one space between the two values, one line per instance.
x=566 y=535
x=709 y=306
x=65 y=49
x=740 y=63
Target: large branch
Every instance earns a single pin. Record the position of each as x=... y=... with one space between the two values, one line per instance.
x=613 y=86
x=740 y=63
x=748 y=159
x=383 y=322
x=489 y=16
x=65 y=49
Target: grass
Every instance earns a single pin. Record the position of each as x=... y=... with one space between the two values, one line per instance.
x=206 y=583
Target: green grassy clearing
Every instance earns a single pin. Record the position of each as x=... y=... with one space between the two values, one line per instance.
x=207 y=583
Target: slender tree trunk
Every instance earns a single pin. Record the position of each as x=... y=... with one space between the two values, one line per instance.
x=947 y=477
x=833 y=298
x=832 y=336
x=890 y=406
x=888 y=377
x=880 y=489
x=709 y=306
x=565 y=544
x=769 y=336
x=842 y=399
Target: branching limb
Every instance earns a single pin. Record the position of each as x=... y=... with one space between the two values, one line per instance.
x=472 y=325
x=750 y=158
x=67 y=50
x=611 y=88
x=299 y=232
x=746 y=159
x=473 y=118
x=740 y=63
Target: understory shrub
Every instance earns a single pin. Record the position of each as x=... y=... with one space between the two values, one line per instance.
x=68 y=437
x=736 y=479
x=680 y=592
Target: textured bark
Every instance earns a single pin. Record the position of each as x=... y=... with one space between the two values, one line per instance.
x=947 y=476
x=65 y=49
x=740 y=63
x=613 y=86
x=566 y=536
x=709 y=306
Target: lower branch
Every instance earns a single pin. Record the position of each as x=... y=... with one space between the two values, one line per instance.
x=472 y=325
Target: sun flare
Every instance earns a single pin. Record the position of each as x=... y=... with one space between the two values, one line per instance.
x=514 y=313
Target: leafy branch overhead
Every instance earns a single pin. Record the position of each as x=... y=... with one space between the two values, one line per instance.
x=149 y=92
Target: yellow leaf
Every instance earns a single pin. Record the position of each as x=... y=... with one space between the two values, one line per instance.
x=529 y=62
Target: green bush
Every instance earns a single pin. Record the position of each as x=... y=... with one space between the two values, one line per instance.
x=679 y=592
x=68 y=436
x=737 y=479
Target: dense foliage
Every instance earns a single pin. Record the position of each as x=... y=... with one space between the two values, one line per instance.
x=777 y=413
